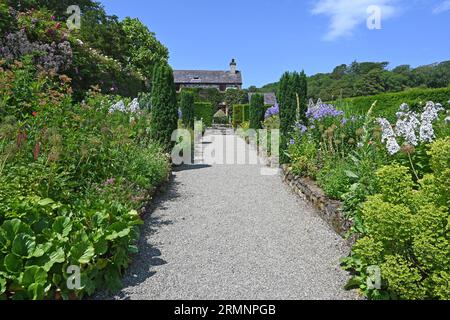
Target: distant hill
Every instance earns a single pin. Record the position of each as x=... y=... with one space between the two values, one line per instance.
x=371 y=78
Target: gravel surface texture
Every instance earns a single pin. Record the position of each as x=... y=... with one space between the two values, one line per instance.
x=228 y=232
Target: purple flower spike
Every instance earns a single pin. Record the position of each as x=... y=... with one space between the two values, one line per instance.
x=322 y=111
x=272 y=111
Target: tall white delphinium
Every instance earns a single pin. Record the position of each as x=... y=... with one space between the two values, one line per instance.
x=119 y=106
x=430 y=114
x=133 y=107
x=407 y=125
x=389 y=136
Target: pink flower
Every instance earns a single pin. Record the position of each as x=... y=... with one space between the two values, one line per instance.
x=109 y=182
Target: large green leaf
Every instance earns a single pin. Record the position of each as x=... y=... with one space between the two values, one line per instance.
x=45 y=202
x=23 y=245
x=2 y=286
x=14 y=227
x=4 y=242
x=55 y=256
x=42 y=249
x=13 y=263
x=100 y=219
x=112 y=277
x=34 y=275
x=82 y=252
x=118 y=230
x=62 y=226
x=101 y=247
x=36 y=291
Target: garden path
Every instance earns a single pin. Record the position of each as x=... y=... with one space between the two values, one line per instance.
x=228 y=232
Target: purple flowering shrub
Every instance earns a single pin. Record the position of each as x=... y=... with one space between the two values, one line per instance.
x=53 y=56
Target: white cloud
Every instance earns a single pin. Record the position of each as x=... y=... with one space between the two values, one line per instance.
x=444 y=6
x=346 y=15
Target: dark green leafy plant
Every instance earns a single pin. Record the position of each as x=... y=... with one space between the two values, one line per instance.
x=187 y=107
x=164 y=105
x=256 y=111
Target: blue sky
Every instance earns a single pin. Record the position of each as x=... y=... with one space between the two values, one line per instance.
x=268 y=37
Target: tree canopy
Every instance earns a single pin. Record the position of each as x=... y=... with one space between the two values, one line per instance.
x=371 y=78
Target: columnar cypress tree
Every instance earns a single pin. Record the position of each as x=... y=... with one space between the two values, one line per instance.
x=187 y=106
x=293 y=102
x=256 y=111
x=303 y=98
x=164 y=105
x=288 y=110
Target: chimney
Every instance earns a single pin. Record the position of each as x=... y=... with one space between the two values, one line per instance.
x=233 y=66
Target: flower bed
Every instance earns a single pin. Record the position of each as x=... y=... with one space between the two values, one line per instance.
x=72 y=179
x=385 y=175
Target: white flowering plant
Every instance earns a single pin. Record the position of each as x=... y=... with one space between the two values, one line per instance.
x=413 y=132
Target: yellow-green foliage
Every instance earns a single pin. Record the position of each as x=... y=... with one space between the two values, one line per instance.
x=403 y=278
x=408 y=229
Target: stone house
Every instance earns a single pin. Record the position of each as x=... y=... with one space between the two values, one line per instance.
x=221 y=80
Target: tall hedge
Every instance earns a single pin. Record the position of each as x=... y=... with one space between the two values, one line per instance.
x=256 y=111
x=292 y=99
x=241 y=114
x=303 y=97
x=204 y=111
x=187 y=106
x=164 y=105
x=388 y=103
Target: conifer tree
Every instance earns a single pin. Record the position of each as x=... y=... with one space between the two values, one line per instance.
x=187 y=106
x=256 y=111
x=288 y=110
x=164 y=105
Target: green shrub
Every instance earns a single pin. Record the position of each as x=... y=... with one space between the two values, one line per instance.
x=204 y=111
x=304 y=157
x=5 y=19
x=333 y=178
x=187 y=106
x=90 y=68
x=241 y=114
x=292 y=98
x=387 y=103
x=221 y=118
x=407 y=231
x=164 y=105
x=256 y=111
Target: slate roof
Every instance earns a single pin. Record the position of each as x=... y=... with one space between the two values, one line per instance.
x=269 y=98
x=207 y=77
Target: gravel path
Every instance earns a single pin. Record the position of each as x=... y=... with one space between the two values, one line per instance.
x=228 y=232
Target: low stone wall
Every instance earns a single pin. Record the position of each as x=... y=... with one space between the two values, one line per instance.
x=329 y=210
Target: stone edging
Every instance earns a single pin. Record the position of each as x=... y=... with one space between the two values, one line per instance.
x=329 y=210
